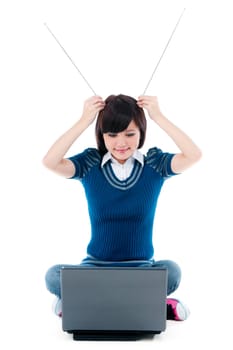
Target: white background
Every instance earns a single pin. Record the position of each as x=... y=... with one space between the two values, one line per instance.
x=44 y=221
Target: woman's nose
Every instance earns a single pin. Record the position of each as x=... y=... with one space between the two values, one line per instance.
x=121 y=141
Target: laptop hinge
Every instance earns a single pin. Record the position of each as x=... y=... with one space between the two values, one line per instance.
x=112 y=335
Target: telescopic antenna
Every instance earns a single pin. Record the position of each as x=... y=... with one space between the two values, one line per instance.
x=70 y=58
x=169 y=40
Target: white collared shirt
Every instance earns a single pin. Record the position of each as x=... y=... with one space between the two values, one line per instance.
x=123 y=171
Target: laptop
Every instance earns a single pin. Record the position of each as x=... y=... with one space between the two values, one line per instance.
x=113 y=303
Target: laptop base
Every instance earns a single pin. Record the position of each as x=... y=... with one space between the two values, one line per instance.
x=112 y=335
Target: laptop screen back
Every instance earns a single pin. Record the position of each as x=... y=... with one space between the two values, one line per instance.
x=114 y=298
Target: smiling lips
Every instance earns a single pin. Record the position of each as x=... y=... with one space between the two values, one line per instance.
x=121 y=150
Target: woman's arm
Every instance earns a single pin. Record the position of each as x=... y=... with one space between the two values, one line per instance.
x=54 y=159
x=190 y=153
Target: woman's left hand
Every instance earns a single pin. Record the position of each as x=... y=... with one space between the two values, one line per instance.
x=150 y=103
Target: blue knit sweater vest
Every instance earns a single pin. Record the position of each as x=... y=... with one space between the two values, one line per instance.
x=122 y=212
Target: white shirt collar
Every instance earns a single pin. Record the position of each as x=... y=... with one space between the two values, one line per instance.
x=136 y=155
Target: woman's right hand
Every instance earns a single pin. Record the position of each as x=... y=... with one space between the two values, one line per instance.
x=55 y=158
x=92 y=106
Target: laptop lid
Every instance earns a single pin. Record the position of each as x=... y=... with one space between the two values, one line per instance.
x=114 y=299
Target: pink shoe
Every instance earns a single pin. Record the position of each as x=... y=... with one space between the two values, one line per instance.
x=176 y=310
x=57 y=308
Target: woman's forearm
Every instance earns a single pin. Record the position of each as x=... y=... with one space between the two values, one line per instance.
x=180 y=138
x=61 y=146
x=189 y=151
x=56 y=153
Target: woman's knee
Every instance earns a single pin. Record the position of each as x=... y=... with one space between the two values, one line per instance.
x=174 y=270
x=174 y=274
x=52 y=279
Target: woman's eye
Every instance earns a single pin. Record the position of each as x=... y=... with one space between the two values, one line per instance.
x=111 y=134
x=130 y=134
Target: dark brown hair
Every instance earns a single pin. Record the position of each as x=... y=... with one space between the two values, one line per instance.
x=118 y=112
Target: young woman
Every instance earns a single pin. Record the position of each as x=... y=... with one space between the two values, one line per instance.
x=122 y=186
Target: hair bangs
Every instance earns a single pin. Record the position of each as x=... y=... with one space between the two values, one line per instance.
x=116 y=116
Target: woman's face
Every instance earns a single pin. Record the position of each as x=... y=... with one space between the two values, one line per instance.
x=123 y=144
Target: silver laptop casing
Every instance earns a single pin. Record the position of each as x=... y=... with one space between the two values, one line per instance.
x=114 y=299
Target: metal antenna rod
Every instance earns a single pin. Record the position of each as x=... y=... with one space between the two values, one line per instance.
x=70 y=58
x=163 y=51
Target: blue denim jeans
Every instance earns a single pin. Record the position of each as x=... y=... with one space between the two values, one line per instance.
x=52 y=277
